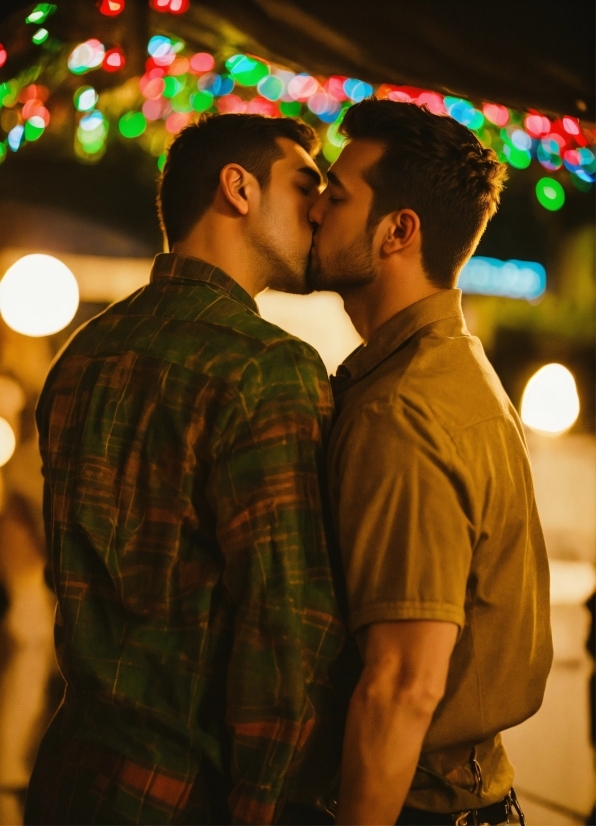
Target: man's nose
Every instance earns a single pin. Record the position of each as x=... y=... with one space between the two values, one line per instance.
x=315 y=213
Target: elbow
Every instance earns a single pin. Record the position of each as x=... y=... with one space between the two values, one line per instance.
x=417 y=695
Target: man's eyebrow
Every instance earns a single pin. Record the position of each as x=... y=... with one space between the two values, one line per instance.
x=312 y=173
x=332 y=178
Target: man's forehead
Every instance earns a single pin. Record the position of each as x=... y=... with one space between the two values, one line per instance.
x=356 y=157
x=295 y=154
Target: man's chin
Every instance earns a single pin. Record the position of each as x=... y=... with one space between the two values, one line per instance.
x=295 y=283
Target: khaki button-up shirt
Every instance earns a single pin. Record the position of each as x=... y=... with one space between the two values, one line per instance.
x=433 y=502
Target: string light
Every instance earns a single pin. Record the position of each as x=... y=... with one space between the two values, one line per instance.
x=171 y=6
x=40 y=13
x=40 y=36
x=86 y=56
x=176 y=85
x=550 y=194
x=111 y=8
x=114 y=59
x=85 y=98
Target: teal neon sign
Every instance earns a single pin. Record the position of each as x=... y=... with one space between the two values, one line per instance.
x=509 y=279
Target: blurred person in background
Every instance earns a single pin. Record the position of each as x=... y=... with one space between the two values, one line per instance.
x=429 y=479
x=182 y=443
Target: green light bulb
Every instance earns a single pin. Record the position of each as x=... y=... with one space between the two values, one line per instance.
x=40 y=36
x=550 y=194
x=132 y=124
x=40 y=13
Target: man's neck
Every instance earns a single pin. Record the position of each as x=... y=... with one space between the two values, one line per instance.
x=216 y=240
x=371 y=305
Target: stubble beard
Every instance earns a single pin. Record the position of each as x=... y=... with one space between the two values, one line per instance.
x=282 y=268
x=347 y=269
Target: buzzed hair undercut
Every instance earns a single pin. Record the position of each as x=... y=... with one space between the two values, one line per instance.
x=199 y=152
x=436 y=167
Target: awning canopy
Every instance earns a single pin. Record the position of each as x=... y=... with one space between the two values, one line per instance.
x=526 y=54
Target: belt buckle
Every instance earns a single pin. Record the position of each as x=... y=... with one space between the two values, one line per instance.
x=462 y=819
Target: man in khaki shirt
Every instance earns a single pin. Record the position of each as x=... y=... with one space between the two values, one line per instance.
x=430 y=482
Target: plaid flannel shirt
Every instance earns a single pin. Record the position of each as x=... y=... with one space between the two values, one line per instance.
x=182 y=445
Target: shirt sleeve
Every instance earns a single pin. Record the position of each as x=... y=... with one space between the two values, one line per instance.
x=405 y=535
x=266 y=492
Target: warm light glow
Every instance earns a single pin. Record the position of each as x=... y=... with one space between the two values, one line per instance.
x=38 y=295
x=550 y=404
x=572 y=582
x=8 y=441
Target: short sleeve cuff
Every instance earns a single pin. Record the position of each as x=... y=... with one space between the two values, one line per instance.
x=390 y=611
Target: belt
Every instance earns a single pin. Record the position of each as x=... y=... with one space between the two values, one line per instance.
x=494 y=814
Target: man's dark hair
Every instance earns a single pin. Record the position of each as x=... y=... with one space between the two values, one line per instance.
x=197 y=155
x=436 y=167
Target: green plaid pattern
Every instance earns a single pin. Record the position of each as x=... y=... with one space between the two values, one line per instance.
x=182 y=442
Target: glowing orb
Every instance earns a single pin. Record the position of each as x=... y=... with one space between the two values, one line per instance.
x=38 y=295
x=550 y=404
x=8 y=441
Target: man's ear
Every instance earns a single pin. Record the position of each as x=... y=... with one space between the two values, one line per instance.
x=237 y=186
x=401 y=230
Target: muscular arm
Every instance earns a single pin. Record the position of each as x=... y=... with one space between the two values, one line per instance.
x=403 y=680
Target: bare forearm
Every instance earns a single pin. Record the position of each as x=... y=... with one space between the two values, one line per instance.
x=403 y=681
x=383 y=739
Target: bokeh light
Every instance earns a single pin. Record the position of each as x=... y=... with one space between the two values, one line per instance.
x=499 y=115
x=550 y=404
x=39 y=295
x=3 y=55
x=114 y=59
x=132 y=124
x=40 y=36
x=111 y=8
x=12 y=397
x=40 y=13
x=201 y=62
x=85 y=98
x=15 y=136
x=537 y=125
x=550 y=194
x=247 y=71
x=171 y=6
x=8 y=442
x=86 y=56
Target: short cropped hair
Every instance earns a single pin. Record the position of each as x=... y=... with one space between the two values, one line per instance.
x=436 y=167
x=197 y=155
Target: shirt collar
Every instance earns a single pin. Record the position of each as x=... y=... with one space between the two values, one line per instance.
x=184 y=269
x=395 y=332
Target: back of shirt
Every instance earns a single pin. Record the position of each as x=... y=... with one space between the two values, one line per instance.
x=433 y=496
x=182 y=443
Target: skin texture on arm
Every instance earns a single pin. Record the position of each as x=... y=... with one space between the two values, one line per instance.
x=403 y=681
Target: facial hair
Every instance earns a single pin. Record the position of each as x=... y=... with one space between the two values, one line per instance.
x=345 y=270
x=283 y=267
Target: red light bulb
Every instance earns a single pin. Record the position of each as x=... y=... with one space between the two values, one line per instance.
x=171 y=6
x=111 y=7
x=114 y=59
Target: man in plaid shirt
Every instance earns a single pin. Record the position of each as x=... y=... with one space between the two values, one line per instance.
x=182 y=443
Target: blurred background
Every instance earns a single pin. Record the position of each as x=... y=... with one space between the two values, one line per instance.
x=91 y=93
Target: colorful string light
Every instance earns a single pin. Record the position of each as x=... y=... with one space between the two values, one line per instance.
x=176 y=86
x=111 y=8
